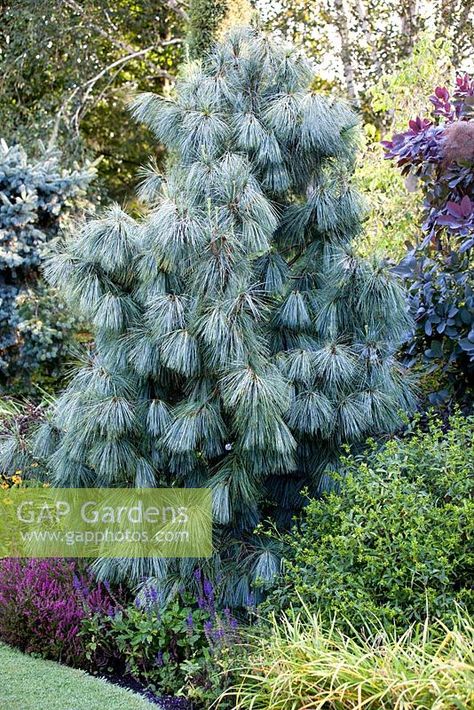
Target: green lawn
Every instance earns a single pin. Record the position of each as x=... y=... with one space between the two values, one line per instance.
x=28 y=683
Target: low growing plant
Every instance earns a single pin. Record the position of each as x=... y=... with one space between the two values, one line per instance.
x=43 y=603
x=182 y=648
x=394 y=541
x=301 y=664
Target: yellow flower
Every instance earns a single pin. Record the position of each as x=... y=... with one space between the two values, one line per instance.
x=46 y=485
x=16 y=479
x=4 y=485
x=17 y=473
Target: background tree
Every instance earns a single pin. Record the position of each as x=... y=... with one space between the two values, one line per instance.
x=67 y=70
x=209 y=20
x=239 y=340
x=354 y=42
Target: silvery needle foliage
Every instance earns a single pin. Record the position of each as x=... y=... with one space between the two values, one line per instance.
x=240 y=341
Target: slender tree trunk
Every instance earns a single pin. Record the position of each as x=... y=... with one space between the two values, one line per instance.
x=409 y=15
x=367 y=32
x=342 y=25
x=362 y=12
x=460 y=21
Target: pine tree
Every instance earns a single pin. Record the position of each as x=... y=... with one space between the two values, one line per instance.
x=240 y=341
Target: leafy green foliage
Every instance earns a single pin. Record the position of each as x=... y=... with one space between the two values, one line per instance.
x=396 y=541
x=68 y=69
x=240 y=342
x=299 y=662
x=183 y=648
x=394 y=213
x=400 y=93
x=205 y=17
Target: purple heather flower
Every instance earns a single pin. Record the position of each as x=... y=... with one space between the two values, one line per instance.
x=59 y=598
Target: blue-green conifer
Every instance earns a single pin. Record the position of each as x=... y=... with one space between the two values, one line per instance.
x=240 y=341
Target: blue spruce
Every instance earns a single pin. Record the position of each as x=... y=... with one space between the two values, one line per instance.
x=35 y=198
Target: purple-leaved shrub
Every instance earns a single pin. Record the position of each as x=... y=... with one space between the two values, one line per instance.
x=437 y=153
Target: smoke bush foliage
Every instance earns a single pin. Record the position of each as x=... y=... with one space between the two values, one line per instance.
x=35 y=197
x=43 y=604
x=239 y=340
x=439 y=154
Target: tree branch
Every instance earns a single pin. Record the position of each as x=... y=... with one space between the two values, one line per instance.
x=89 y=85
x=177 y=9
x=120 y=44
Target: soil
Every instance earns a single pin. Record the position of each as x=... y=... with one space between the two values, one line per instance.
x=165 y=702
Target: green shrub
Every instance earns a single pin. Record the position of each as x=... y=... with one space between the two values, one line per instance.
x=394 y=214
x=303 y=665
x=209 y=20
x=396 y=540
